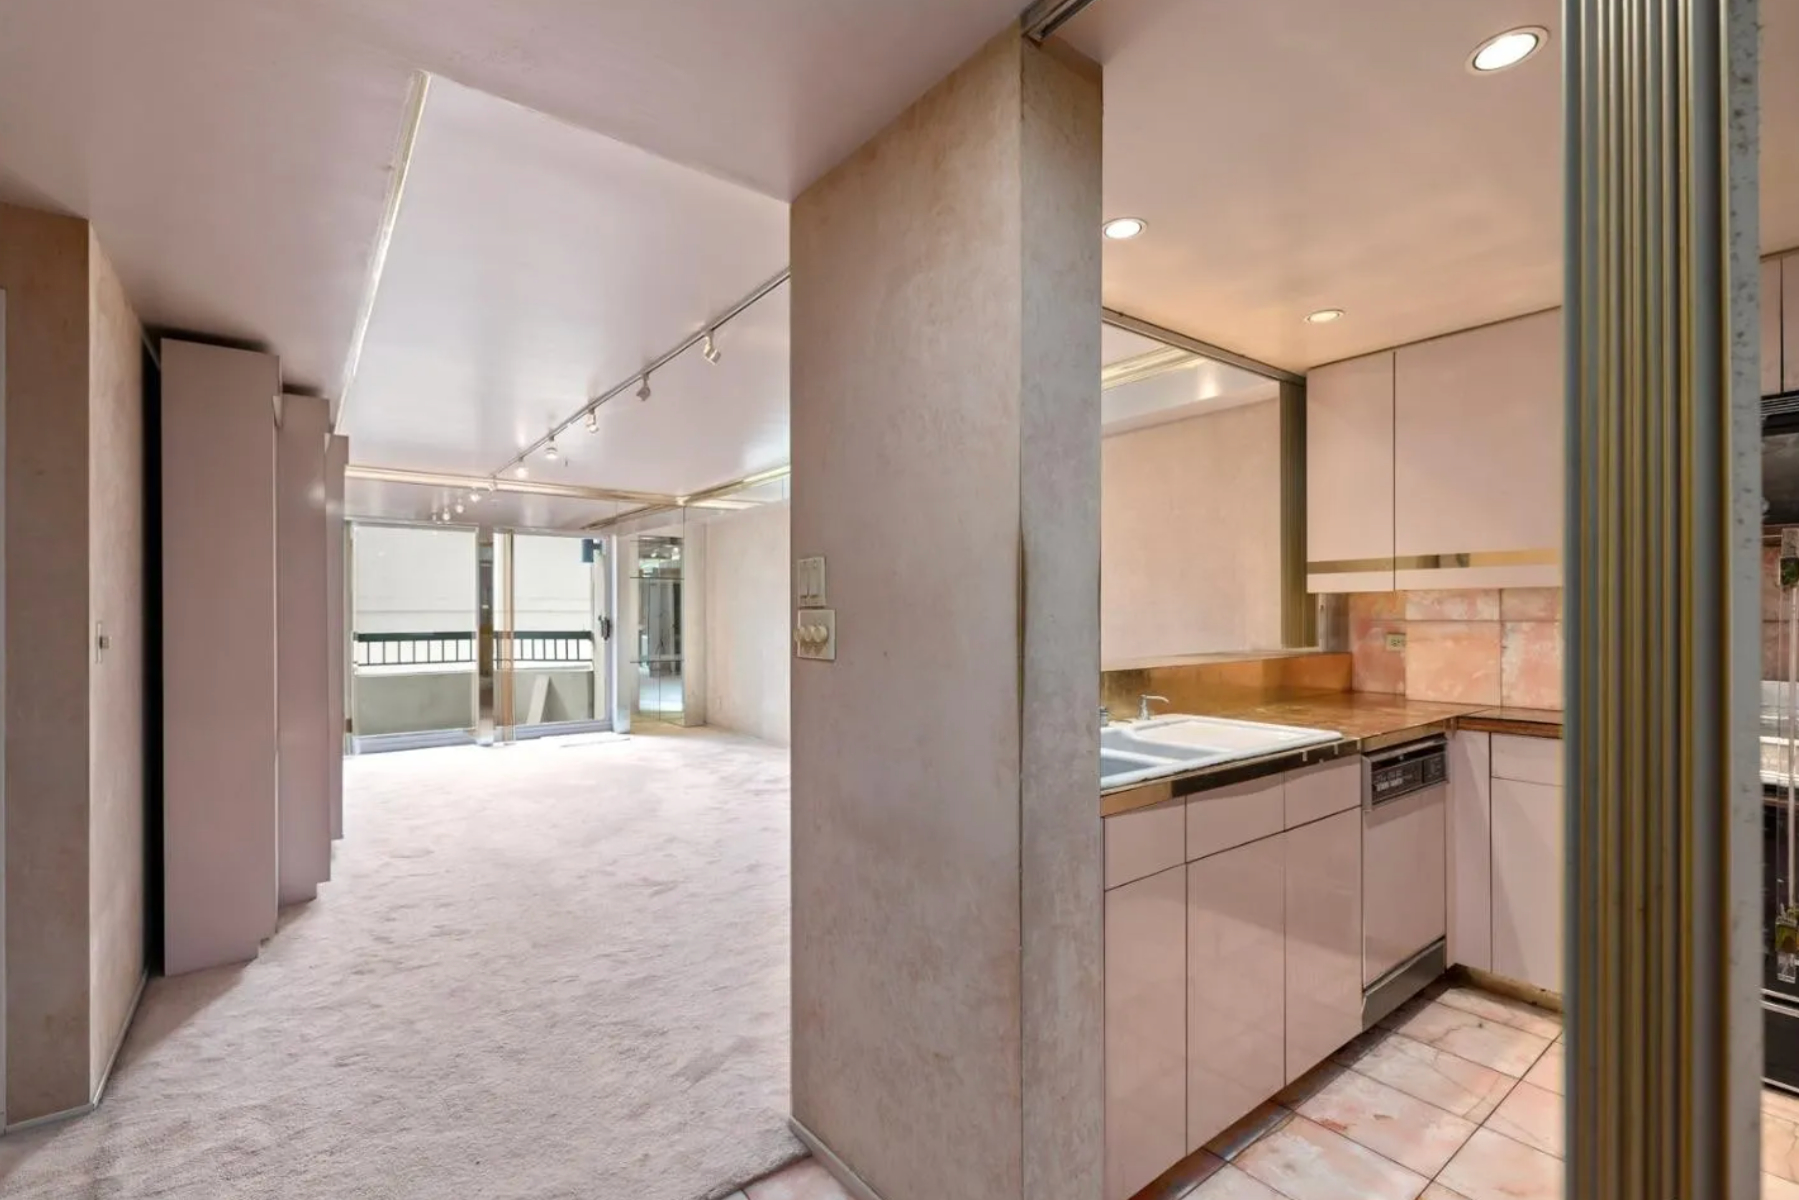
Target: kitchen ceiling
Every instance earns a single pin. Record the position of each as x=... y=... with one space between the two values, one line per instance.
x=1294 y=155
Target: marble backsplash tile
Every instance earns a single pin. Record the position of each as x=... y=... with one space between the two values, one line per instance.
x=1462 y=646
x=1457 y=662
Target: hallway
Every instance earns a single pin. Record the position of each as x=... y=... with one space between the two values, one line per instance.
x=532 y=965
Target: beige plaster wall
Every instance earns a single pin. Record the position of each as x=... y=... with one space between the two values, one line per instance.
x=116 y=683
x=946 y=958
x=749 y=647
x=44 y=270
x=1190 y=551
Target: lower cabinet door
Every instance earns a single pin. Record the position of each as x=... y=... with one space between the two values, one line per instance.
x=1146 y=1030
x=1528 y=882
x=1236 y=984
x=1324 y=939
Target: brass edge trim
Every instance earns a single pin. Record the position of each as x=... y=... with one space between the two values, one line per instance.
x=1459 y=560
x=481 y=483
x=418 y=90
x=1148 y=365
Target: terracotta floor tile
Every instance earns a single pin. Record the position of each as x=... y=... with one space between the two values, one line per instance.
x=1494 y=1167
x=804 y=1180
x=1780 y=1147
x=1533 y=1116
x=1548 y=1074
x=1438 y=1077
x=1504 y=1010
x=1780 y=1104
x=1437 y=1191
x=1505 y=1049
x=1232 y=1184
x=1305 y=1161
x=1414 y=1134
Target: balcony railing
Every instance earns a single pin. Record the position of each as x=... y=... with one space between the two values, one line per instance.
x=530 y=647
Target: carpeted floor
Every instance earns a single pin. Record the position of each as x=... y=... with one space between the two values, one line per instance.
x=542 y=971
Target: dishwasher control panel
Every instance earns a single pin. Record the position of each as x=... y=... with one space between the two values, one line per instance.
x=1403 y=770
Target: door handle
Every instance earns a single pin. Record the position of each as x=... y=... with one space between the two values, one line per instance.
x=605 y=629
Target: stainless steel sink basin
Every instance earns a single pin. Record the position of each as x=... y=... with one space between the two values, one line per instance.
x=1177 y=735
x=1168 y=745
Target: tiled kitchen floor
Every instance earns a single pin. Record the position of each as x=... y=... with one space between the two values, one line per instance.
x=1458 y=1096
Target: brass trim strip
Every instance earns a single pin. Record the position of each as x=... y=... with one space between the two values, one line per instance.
x=1439 y=562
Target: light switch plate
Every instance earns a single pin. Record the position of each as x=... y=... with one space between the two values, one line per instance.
x=815 y=634
x=809 y=583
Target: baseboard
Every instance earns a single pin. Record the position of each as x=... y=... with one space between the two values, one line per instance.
x=67 y=1114
x=118 y=1043
x=838 y=1169
x=1514 y=989
x=112 y=1060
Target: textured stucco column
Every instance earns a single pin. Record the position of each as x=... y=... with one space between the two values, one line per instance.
x=303 y=646
x=1664 y=523
x=946 y=837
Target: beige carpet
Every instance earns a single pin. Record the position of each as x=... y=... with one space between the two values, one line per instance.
x=542 y=971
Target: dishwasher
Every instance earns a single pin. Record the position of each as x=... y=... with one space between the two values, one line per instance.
x=1405 y=896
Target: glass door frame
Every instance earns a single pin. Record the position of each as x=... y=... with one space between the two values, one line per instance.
x=497 y=707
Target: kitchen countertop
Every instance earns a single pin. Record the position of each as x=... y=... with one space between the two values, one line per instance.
x=1367 y=722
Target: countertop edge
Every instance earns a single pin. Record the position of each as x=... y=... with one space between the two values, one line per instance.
x=1152 y=792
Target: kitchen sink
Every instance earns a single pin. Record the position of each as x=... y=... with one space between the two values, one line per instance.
x=1167 y=745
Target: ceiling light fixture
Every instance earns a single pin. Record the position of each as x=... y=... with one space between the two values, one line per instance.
x=593 y=420
x=643 y=392
x=1123 y=229
x=709 y=350
x=1323 y=316
x=1507 y=49
x=550 y=452
x=523 y=472
x=459 y=509
x=474 y=497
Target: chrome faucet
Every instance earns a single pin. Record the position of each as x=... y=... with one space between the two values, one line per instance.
x=1143 y=703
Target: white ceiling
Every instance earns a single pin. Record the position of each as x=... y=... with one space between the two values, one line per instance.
x=534 y=265
x=1291 y=155
x=234 y=154
x=233 y=157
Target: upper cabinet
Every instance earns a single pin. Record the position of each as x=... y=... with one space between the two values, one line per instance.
x=1771 y=321
x=1349 y=476
x=1478 y=434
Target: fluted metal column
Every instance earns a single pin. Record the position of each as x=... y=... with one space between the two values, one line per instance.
x=1663 y=518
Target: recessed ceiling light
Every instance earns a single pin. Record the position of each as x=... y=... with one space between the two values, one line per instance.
x=1123 y=229
x=1507 y=49
x=1323 y=316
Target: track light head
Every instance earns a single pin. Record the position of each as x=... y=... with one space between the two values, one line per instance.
x=550 y=452
x=474 y=497
x=593 y=421
x=710 y=350
x=522 y=471
x=643 y=390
